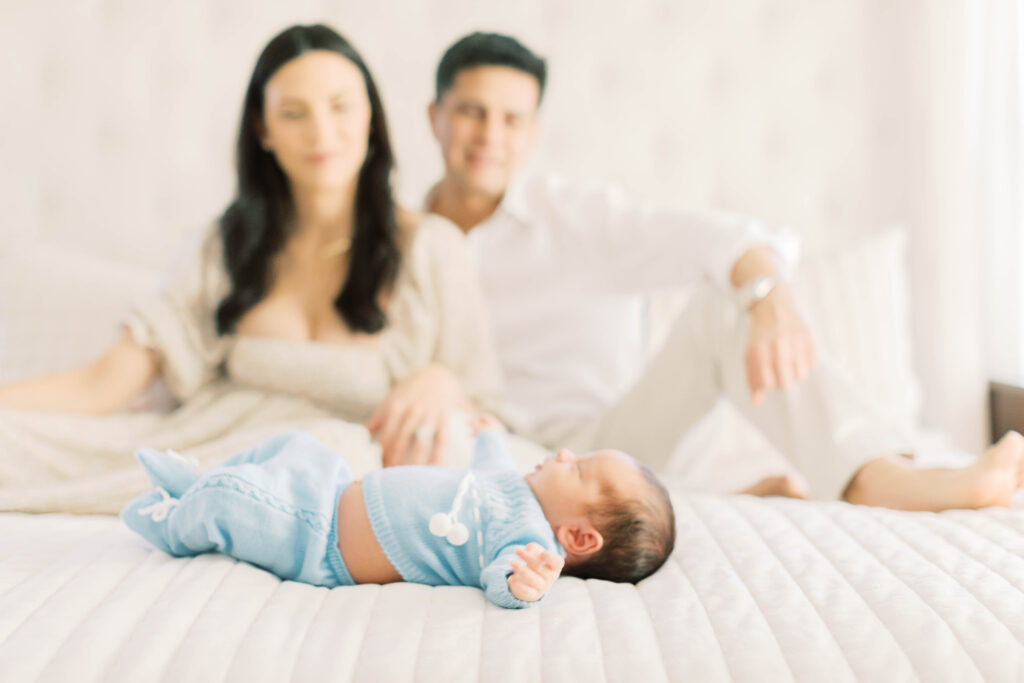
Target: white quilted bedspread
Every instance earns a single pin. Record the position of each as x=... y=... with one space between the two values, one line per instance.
x=757 y=590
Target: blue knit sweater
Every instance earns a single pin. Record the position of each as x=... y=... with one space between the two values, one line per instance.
x=491 y=499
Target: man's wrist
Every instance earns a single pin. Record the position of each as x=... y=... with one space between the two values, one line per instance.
x=756 y=262
x=755 y=290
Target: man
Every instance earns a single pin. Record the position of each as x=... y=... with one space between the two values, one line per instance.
x=610 y=251
x=565 y=272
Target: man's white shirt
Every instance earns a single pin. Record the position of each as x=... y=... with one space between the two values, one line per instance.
x=567 y=272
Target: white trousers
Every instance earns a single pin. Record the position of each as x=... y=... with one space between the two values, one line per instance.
x=826 y=428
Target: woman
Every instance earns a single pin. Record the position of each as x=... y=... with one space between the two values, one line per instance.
x=313 y=297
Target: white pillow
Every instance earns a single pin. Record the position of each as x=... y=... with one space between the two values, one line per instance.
x=857 y=300
x=61 y=308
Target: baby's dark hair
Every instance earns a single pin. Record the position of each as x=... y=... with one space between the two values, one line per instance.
x=639 y=534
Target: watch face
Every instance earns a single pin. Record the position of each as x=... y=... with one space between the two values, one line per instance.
x=763 y=286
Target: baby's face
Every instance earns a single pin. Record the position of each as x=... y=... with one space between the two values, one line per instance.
x=567 y=485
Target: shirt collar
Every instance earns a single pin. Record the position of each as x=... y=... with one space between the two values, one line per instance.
x=513 y=203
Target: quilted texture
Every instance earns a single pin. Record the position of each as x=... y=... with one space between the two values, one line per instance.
x=757 y=590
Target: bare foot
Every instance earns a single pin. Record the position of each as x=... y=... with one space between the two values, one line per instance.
x=998 y=473
x=782 y=485
x=990 y=482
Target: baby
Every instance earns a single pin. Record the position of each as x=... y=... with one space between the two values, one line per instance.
x=290 y=505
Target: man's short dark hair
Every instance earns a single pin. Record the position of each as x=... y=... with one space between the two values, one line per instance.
x=488 y=49
x=639 y=534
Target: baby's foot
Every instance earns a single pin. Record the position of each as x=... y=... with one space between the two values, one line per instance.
x=168 y=470
x=147 y=515
x=999 y=473
x=786 y=485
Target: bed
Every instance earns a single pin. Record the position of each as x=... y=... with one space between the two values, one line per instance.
x=757 y=590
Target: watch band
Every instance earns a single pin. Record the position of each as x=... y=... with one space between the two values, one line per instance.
x=754 y=290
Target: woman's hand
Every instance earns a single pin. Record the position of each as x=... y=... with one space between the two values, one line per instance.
x=780 y=351
x=411 y=424
x=103 y=386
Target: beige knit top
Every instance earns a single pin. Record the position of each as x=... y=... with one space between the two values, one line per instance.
x=435 y=314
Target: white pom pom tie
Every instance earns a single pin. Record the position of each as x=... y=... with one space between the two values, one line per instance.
x=448 y=524
x=160 y=509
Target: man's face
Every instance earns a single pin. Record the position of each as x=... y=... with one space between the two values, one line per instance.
x=486 y=124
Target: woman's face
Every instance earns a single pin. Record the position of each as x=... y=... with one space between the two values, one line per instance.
x=316 y=120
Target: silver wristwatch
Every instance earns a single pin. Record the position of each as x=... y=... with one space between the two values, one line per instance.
x=754 y=290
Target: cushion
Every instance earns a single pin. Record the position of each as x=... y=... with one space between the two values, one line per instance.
x=61 y=308
x=857 y=300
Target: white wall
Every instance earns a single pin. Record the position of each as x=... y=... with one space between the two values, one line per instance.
x=118 y=118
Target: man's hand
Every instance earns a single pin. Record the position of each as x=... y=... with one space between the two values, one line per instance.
x=411 y=424
x=780 y=351
x=532 y=577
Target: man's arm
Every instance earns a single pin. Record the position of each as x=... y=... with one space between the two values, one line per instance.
x=780 y=350
x=647 y=248
x=636 y=248
x=630 y=247
x=761 y=261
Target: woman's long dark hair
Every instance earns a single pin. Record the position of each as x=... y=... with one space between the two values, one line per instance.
x=254 y=228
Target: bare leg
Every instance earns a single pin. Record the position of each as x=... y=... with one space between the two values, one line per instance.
x=782 y=485
x=990 y=482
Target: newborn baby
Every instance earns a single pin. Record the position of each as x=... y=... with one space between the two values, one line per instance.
x=290 y=505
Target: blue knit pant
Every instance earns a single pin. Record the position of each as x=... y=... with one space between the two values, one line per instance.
x=273 y=506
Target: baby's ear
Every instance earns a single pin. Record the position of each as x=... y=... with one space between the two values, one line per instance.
x=580 y=538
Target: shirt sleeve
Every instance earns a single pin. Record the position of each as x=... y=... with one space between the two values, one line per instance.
x=179 y=323
x=491 y=452
x=638 y=248
x=494 y=581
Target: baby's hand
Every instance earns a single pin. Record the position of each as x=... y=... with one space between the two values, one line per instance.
x=528 y=582
x=483 y=421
